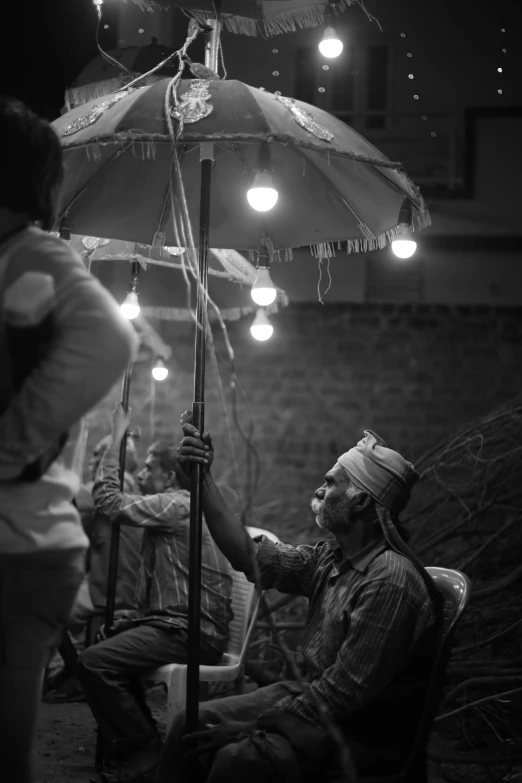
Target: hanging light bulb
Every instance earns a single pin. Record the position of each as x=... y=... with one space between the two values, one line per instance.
x=159 y=371
x=330 y=45
x=404 y=245
x=261 y=328
x=262 y=196
x=263 y=291
x=131 y=306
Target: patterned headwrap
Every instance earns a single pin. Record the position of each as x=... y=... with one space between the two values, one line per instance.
x=381 y=472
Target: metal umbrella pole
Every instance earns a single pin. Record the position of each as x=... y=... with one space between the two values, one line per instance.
x=114 y=551
x=112 y=578
x=198 y=408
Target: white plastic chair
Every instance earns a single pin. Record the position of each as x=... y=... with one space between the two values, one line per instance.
x=245 y=601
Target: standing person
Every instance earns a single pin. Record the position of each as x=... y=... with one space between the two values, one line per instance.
x=63 y=345
x=110 y=672
x=369 y=641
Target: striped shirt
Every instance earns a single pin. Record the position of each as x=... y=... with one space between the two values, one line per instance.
x=367 y=622
x=162 y=590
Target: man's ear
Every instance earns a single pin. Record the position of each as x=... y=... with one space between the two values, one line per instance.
x=363 y=501
x=171 y=479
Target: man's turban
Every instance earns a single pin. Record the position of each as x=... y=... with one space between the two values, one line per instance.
x=380 y=472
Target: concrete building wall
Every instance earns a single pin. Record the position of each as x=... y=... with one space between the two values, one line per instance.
x=412 y=373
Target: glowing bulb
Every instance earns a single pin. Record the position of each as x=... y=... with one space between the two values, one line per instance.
x=263 y=291
x=330 y=46
x=131 y=307
x=404 y=246
x=98 y=2
x=262 y=196
x=261 y=328
x=159 y=371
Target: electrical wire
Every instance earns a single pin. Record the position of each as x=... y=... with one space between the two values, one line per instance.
x=103 y=53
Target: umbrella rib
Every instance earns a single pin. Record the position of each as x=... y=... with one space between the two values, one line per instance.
x=393 y=184
x=77 y=195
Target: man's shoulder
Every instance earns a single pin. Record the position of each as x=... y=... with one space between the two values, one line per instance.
x=46 y=249
x=397 y=569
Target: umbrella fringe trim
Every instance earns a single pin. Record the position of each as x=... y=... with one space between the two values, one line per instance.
x=147 y=148
x=327 y=249
x=284 y=22
x=146 y=262
x=181 y=314
x=77 y=96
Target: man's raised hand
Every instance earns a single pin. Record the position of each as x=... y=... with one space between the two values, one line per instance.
x=194 y=447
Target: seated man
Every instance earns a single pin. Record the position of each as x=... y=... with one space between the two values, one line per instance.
x=110 y=671
x=369 y=640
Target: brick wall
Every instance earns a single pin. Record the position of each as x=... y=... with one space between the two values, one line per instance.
x=412 y=373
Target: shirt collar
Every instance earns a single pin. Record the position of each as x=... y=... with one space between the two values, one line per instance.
x=359 y=560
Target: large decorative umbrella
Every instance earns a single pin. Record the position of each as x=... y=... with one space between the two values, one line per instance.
x=333 y=185
x=126 y=178
x=250 y=16
x=101 y=77
x=168 y=289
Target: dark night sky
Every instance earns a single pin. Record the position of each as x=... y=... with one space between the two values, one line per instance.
x=46 y=43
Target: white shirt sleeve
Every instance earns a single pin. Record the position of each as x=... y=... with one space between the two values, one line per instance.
x=91 y=346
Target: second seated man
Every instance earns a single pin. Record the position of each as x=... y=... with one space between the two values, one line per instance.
x=110 y=672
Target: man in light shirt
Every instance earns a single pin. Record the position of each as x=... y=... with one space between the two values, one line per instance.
x=63 y=345
x=110 y=672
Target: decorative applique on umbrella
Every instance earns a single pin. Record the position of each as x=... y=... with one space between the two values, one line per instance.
x=333 y=185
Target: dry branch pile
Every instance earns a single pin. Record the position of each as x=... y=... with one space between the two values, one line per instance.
x=467 y=514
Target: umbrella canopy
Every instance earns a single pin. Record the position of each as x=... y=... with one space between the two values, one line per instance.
x=249 y=16
x=333 y=185
x=168 y=288
x=100 y=77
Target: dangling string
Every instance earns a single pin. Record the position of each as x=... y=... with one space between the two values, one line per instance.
x=152 y=411
x=103 y=53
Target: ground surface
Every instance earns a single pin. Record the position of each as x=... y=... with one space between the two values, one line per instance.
x=66 y=738
x=65 y=742
x=65 y=746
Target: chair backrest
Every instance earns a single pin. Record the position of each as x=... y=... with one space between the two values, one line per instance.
x=244 y=602
x=259 y=531
x=455 y=588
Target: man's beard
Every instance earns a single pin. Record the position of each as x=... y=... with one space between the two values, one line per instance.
x=332 y=515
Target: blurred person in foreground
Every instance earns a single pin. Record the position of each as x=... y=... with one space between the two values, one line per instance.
x=63 y=345
x=91 y=598
x=368 y=644
x=110 y=672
